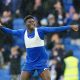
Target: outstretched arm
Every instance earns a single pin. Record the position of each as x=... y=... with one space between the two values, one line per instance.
x=57 y=29
x=12 y=32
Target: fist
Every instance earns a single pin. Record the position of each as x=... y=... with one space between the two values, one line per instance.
x=74 y=27
x=0 y=25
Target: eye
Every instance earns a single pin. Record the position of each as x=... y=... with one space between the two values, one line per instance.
x=30 y=21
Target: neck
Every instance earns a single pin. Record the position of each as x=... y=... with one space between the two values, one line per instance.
x=30 y=30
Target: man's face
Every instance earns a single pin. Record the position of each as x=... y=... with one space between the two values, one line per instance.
x=31 y=23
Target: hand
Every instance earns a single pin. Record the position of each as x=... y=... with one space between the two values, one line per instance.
x=74 y=27
x=0 y=23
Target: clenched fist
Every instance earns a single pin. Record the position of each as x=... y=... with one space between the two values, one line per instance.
x=0 y=25
x=74 y=27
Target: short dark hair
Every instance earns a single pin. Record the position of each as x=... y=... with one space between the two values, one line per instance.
x=53 y=2
x=28 y=17
x=70 y=53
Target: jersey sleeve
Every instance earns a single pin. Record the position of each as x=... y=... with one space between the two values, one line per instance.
x=54 y=29
x=12 y=32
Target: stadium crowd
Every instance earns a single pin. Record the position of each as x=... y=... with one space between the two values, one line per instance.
x=59 y=46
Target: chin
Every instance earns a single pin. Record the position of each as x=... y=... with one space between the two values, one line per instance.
x=32 y=28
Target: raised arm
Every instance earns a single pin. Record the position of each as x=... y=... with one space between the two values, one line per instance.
x=10 y=31
x=57 y=29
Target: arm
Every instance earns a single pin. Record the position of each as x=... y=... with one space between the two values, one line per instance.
x=54 y=29
x=44 y=30
x=12 y=32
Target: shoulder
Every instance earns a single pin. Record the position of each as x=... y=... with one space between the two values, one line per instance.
x=40 y=28
x=22 y=31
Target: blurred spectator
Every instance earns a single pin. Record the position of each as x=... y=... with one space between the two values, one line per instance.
x=72 y=17
x=55 y=38
x=76 y=4
x=11 y=5
x=6 y=20
x=52 y=39
x=34 y=7
x=52 y=65
x=69 y=15
x=15 y=5
x=71 y=67
x=38 y=9
x=6 y=4
x=15 y=60
x=67 y=4
x=59 y=12
x=51 y=20
x=75 y=35
x=26 y=7
x=58 y=54
x=1 y=7
x=44 y=22
x=18 y=23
